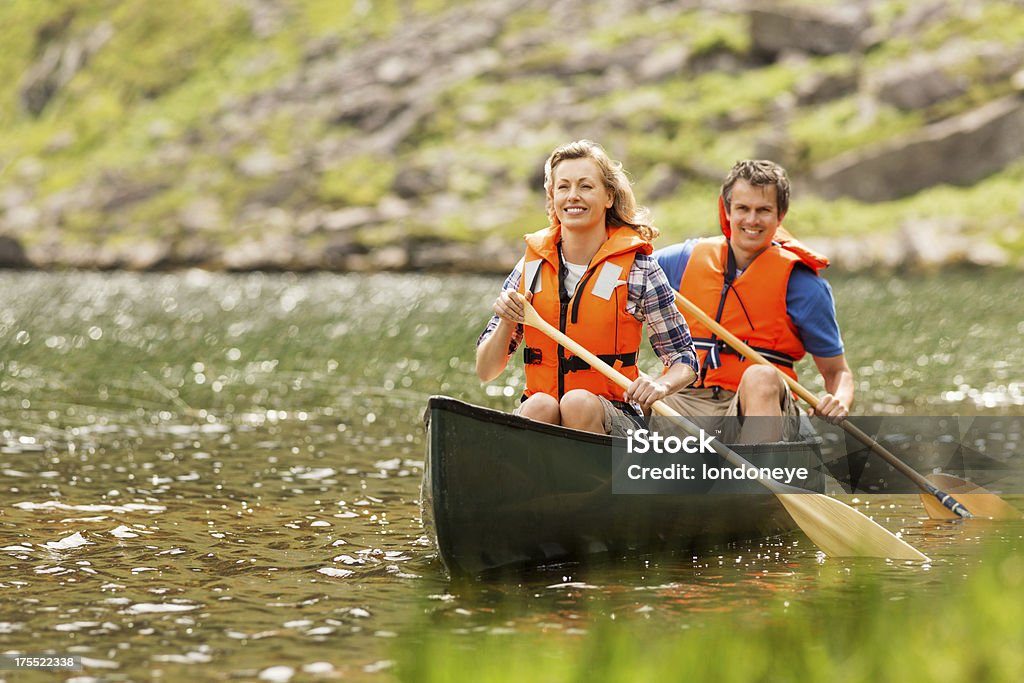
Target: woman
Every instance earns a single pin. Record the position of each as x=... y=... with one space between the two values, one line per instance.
x=589 y=274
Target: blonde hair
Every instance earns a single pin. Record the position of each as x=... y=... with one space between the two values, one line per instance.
x=624 y=210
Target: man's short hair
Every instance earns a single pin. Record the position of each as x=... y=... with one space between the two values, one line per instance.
x=759 y=173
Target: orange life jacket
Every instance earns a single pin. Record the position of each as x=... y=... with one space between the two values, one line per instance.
x=595 y=316
x=752 y=307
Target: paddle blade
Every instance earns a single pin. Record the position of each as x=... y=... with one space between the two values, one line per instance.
x=981 y=502
x=841 y=531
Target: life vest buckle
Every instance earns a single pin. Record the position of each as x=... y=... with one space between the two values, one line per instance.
x=533 y=355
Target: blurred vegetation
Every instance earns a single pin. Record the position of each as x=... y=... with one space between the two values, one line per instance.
x=853 y=630
x=171 y=76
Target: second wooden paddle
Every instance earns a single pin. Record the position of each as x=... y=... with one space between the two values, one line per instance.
x=982 y=502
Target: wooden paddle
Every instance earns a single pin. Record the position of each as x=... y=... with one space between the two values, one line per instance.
x=981 y=501
x=836 y=528
x=938 y=503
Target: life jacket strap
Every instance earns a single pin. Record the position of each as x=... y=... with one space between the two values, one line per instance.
x=716 y=347
x=575 y=363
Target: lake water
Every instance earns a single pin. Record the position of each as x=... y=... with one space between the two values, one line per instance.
x=217 y=475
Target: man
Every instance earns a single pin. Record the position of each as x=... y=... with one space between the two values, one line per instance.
x=763 y=286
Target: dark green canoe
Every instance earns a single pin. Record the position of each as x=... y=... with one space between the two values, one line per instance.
x=500 y=491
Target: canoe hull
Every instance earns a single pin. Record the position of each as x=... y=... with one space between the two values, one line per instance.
x=501 y=492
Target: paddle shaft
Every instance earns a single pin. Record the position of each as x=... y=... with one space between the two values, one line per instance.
x=739 y=346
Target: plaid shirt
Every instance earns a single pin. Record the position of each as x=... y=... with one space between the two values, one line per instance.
x=650 y=299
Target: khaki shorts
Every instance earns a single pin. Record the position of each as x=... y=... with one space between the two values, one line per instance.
x=616 y=420
x=722 y=415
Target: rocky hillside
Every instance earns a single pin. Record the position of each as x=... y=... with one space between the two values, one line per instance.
x=360 y=135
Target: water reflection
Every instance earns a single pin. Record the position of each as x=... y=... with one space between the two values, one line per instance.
x=219 y=474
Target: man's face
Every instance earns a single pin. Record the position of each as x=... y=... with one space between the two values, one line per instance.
x=753 y=217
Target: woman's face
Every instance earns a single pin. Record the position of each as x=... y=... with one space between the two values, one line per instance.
x=579 y=196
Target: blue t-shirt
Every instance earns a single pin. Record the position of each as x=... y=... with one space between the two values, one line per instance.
x=809 y=300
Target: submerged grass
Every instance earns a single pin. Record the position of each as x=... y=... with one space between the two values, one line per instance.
x=861 y=630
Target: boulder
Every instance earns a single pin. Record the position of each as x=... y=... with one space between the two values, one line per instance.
x=927 y=79
x=202 y=214
x=414 y=181
x=662 y=63
x=958 y=151
x=262 y=163
x=719 y=59
x=999 y=62
x=924 y=79
x=662 y=182
x=921 y=86
x=147 y=255
x=23 y=218
x=12 y=254
x=390 y=257
x=822 y=87
x=776 y=144
x=58 y=64
x=61 y=141
x=337 y=252
x=347 y=219
x=853 y=253
x=194 y=251
x=270 y=252
x=822 y=32
x=488 y=256
x=935 y=242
